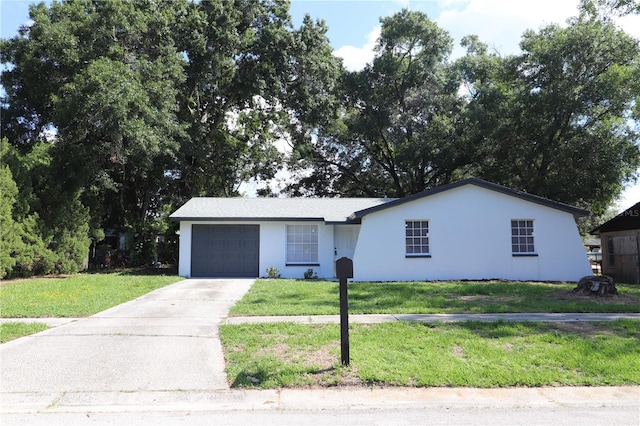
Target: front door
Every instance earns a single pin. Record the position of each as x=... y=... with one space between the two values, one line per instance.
x=345 y=238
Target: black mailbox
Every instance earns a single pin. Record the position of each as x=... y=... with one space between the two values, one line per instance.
x=344 y=268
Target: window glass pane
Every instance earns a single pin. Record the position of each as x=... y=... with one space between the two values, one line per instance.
x=302 y=243
x=522 y=239
x=417 y=236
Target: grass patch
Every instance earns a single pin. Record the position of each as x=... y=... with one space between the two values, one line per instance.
x=469 y=354
x=298 y=297
x=13 y=330
x=74 y=296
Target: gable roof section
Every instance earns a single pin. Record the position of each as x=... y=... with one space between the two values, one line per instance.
x=625 y=221
x=332 y=210
x=329 y=210
x=576 y=212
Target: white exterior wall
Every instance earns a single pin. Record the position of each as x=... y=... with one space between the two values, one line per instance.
x=273 y=248
x=469 y=238
x=184 y=250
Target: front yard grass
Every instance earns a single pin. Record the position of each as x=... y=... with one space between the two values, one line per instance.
x=76 y=295
x=13 y=330
x=73 y=296
x=299 y=297
x=469 y=354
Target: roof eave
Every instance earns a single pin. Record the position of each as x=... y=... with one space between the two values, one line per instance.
x=246 y=219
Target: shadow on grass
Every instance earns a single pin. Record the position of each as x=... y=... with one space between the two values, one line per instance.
x=278 y=376
x=141 y=270
x=502 y=329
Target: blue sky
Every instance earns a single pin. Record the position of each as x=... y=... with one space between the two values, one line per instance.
x=354 y=26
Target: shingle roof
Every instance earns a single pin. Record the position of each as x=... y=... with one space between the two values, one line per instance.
x=625 y=221
x=265 y=209
x=350 y=210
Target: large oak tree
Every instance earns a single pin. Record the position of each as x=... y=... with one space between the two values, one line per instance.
x=153 y=102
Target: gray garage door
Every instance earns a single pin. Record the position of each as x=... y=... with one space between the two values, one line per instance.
x=225 y=250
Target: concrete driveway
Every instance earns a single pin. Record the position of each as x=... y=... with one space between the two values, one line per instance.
x=166 y=340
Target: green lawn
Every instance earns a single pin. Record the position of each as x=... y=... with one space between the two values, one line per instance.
x=299 y=297
x=470 y=354
x=13 y=330
x=74 y=296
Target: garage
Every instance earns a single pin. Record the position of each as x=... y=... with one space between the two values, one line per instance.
x=230 y=251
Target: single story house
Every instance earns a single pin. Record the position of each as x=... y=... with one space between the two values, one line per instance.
x=620 y=245
x=471 y=229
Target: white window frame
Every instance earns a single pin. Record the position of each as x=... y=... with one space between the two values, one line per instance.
x=302 y=244
x=523 y=237
x=416 y=238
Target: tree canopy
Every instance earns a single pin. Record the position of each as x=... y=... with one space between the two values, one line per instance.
x=397 y=130
x=559 y=120
x=116 y=112
x=152 y=102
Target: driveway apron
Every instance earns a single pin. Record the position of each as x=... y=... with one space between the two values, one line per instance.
x=166 y=340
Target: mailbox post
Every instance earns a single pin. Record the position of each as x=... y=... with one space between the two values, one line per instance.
x=344 y=270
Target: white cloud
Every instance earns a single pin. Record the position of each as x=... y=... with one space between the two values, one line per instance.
x=355 y=58
x=629 y=197
x=500 y=23
x=630 y=24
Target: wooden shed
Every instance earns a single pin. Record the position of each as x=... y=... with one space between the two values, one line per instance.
x=620 y=242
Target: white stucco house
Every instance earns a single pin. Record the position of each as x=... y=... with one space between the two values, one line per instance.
x=471 y=229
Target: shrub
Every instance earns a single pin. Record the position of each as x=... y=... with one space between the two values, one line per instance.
x=310 y=275
x=273 y=272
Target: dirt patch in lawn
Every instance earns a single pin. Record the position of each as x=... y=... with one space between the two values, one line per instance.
x=610 y=299
x=586 y=329
x=486 y=299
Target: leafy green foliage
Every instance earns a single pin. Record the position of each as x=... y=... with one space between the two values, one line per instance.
x=554 y=121
x=150 y=106
x=397 y=130
x=606 y=8
x=26 y=240
x=559 y=120
x=119 y=111
x=10 y=231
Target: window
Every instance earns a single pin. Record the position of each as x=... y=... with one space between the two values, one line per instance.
x=611 y=255
x=417 y=237
x=302 y=244
x=522 y=237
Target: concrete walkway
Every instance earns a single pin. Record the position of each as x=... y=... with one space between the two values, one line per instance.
x=380 y=318
x=161 y=353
